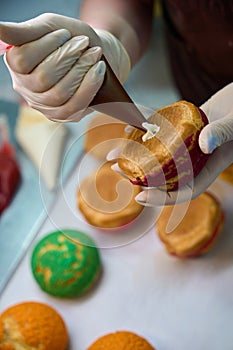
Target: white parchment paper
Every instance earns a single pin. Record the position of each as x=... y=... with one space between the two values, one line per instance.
x=174 y=303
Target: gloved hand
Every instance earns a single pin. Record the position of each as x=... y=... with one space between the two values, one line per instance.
x=215 y=138
x=56 y=64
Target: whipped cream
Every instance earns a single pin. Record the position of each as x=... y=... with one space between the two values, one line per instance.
x=151 y=131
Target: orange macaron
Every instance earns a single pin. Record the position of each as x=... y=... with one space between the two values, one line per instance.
x=32 y=325
x=197 y=231
x=107 y=200
x=121 y=340
x=103 y=133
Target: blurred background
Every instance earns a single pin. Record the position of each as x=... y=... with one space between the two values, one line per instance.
x=150 y=83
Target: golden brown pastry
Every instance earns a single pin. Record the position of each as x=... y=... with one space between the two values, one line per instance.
x=227 y=174
x=103 y=134
x=197 y=231
x=172 y=157
x=106 y=199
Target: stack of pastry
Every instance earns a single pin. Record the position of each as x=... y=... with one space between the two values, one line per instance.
x=106 y=199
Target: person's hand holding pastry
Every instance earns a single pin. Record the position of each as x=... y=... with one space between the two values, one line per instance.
x=208 y=153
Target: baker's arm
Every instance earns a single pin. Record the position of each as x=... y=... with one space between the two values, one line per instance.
x=130 y=21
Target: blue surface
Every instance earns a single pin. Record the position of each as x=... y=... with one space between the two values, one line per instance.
x=20 y=222
x=17 y=222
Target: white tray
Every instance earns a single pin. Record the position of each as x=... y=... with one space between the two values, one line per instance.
x=174 y=303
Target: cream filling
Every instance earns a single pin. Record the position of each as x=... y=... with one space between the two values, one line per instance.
x=151 y=131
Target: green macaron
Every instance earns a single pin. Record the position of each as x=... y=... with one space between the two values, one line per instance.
x=66 y=263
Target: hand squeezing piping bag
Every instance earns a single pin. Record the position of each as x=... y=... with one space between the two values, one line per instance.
x=111 y=99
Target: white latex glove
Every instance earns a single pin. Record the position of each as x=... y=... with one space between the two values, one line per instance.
x=53 y=67
x=215 y=138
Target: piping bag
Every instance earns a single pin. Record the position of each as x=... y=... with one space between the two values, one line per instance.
x=111 y=99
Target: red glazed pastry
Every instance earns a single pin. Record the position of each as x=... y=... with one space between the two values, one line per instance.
x=197 y=231
x=172 y=157
x=9 y=169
